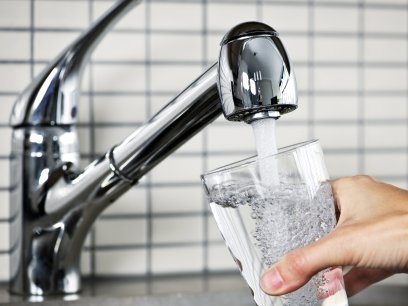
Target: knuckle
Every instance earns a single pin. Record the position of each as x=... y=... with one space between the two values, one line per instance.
x=297 y=264
x=362 y=178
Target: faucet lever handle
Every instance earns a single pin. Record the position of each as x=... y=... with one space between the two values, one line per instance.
x=51 y=99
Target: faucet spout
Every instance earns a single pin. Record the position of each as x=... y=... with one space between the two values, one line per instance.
x=54 y=204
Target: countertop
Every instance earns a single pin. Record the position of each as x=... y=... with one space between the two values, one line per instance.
x=189 y=290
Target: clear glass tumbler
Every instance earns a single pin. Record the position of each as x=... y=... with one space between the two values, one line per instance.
x=264 y=208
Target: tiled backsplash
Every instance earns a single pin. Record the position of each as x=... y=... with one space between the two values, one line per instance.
x=351 y=62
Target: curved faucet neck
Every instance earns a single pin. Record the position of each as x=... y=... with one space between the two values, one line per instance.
x=52 y=98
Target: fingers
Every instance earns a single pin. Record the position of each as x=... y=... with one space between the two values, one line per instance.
x=358 y=279
x=297 y=267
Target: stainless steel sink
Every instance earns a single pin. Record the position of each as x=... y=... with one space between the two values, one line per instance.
x=190 y=290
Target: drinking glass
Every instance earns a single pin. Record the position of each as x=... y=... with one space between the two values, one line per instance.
x=264 y=208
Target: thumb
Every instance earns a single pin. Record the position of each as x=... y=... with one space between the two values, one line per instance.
x=297 y=267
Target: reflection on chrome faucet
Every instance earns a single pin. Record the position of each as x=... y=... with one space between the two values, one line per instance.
x=55 y=203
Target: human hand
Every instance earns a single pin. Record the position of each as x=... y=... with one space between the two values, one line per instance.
x=371 y=236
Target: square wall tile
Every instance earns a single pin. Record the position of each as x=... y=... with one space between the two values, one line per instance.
x=85 y=263
x=107 y=137
x=297 y=48
x=222 y=16
x=61 y=14
x=115 y=109
x=336 y=78
x=213 y=47
x=322 y=2
x=225 y=138
x=385 y=136
x=173 y=199
x=14 y=77
x=119 y=78
x=214 y=234
x=6 y=104
x=282 y=17
x=385 y=50
x=177 y=229
x=337 y=136
x=110 y=48
x=290 y=134
x=216 y=161
x=15 y=45
x=386 y=164
x=184 y=48
x=5 y=239
x=84 y=105
x=179 y=169
x=385 y=20
x=336 y=19
x=336 y=49
x=341 y=164
x=5 y=177
x=336 y=107
x=176 y=16
x=5 y=144
x=46 y=51
x=120 y=232
x=121 y=262
x=400 y=2
x=173 y=78
x=133 y=201
x=87 y=80
x=303 y=79
x=374 y=107
x=15 y=13
x=298 y=115
x=5 y=271
x=385 y=79
x=84 y=140
x=177 y=259
x=220 y=259
x=4 y=204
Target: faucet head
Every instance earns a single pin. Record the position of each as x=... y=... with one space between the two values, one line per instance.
x=255 y=77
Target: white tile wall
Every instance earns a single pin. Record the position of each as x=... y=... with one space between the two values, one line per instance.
x=167 y=260
x=336 y=19
x=61 y=14
x=9 y=18
x=383 y=20
x=351 y=63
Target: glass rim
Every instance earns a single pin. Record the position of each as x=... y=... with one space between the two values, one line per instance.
x=253 y=159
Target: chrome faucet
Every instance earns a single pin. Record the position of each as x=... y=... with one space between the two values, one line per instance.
x=54 y=203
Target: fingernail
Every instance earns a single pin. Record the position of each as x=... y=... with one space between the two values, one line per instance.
x=271 y=280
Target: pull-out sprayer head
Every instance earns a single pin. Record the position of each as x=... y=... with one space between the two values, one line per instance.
x=255 y=77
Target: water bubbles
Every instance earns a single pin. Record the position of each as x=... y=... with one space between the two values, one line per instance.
x=283 y=218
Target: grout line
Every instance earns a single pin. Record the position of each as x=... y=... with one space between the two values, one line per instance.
x=310 y=72
x=149 y=208
x=205 y=63
x=406 y=99
x=205 y=144
x=360 y=79
x=322 y=93
x=216 y=32
x=32 y=33
x=92 y=146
